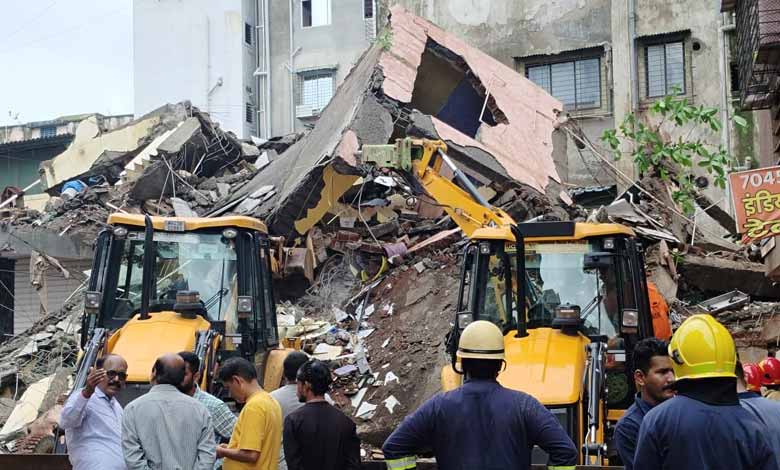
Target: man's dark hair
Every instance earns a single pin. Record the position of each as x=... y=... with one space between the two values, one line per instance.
x=645 y=350
x=192 y=359
x=237 y=366
x=317 y=374
x=168 y=375
x=292 y=363
x=481 y=368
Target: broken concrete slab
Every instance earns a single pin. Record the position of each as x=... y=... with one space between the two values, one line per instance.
x=716 y=275
x=90 y=144
x=374 y=103
x=181 y=208
x=27 y=408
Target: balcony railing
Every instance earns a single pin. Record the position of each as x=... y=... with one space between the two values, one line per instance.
x=758 y=52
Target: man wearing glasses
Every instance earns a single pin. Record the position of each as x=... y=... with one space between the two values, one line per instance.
x=92 y=418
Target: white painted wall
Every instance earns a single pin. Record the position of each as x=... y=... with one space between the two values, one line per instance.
x=181 y=48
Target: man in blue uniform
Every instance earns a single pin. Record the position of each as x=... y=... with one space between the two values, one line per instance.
x=654 y=375
x=481 y=425
x=704 y=426
x=763 y=409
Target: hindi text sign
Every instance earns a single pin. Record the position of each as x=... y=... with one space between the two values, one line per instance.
x=756 y=196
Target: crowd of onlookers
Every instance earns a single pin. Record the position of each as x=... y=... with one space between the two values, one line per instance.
x=696 y=407
x=176 y=425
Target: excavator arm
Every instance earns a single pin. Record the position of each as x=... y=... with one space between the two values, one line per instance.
x=425 y=159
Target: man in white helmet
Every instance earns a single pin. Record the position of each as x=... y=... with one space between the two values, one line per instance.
x=480 y=425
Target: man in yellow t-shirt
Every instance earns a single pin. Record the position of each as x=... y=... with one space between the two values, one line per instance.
x=257 y=435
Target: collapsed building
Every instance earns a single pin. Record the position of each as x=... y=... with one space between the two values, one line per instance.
x=369 y=273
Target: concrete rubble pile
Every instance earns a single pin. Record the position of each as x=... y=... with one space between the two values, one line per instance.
x=698 y=266
x=35 y=371
x=370 y=273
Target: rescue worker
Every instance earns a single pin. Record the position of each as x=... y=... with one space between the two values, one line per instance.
x=659 y=310
x=767 y=412
x=704 y=426
x=770 y=377
x=480 y=425
x=654 y=377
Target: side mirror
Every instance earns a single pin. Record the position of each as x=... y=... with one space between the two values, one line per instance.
x=629 y=321
x=597 y=260
x=464 y=320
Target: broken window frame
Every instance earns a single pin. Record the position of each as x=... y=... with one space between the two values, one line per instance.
x=316 y=75
x=48 y=132
x=309 y=13
x=248 y=34
x=368 y=9
x=249 y=113
x=579 y=104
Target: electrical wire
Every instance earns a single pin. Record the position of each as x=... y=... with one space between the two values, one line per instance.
x=25 y=25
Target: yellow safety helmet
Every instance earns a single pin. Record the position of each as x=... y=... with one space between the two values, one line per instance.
x=702 y=348
x=481 y=340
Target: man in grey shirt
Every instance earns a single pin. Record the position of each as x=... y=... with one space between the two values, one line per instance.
x=166 y=429
x=287 y=395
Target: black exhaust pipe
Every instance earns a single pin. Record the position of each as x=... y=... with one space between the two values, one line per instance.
x=522 y=327
x=147 y=279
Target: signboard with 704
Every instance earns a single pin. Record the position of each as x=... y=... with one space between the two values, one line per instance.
x=756 y=196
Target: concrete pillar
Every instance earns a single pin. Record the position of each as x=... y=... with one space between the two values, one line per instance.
x=622 y=87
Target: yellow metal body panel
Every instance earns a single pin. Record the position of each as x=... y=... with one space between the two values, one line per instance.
x=336 y=185
x=190 y=223
x=546 y=364
x=615 y=415
x=274 y=368
x=141 y=342
x=450 y=380
x=582 y=231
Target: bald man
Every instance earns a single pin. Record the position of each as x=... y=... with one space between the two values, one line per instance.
x=92 y=418
x=166 y=428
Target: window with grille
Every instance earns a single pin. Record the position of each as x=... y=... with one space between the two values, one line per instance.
x=316 y=89
x=248 y=33
x=368 y=9
x=665 y=68
x=249 y=113
x=48 y=131
x=315 y=13
x=577 y=83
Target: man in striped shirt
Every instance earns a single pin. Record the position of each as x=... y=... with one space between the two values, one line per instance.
x=222 y=418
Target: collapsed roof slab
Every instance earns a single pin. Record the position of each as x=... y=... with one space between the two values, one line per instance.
x=512 y=135
x=522 y=142
x=92 y=150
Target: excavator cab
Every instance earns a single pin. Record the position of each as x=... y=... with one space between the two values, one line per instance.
x=582 y=291
x=183 y=284
x=571 y=298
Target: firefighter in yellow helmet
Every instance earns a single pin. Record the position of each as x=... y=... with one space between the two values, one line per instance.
x=480 y=425
x=704 y=426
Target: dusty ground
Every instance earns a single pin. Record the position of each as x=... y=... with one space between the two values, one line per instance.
x=423 y=307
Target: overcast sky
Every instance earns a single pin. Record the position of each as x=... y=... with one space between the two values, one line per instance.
x=65 y=57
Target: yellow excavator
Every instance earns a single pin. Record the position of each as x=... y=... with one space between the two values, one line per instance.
x=167 y=284
x=571 y=298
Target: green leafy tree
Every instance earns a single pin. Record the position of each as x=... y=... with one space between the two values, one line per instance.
x=674 y=158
